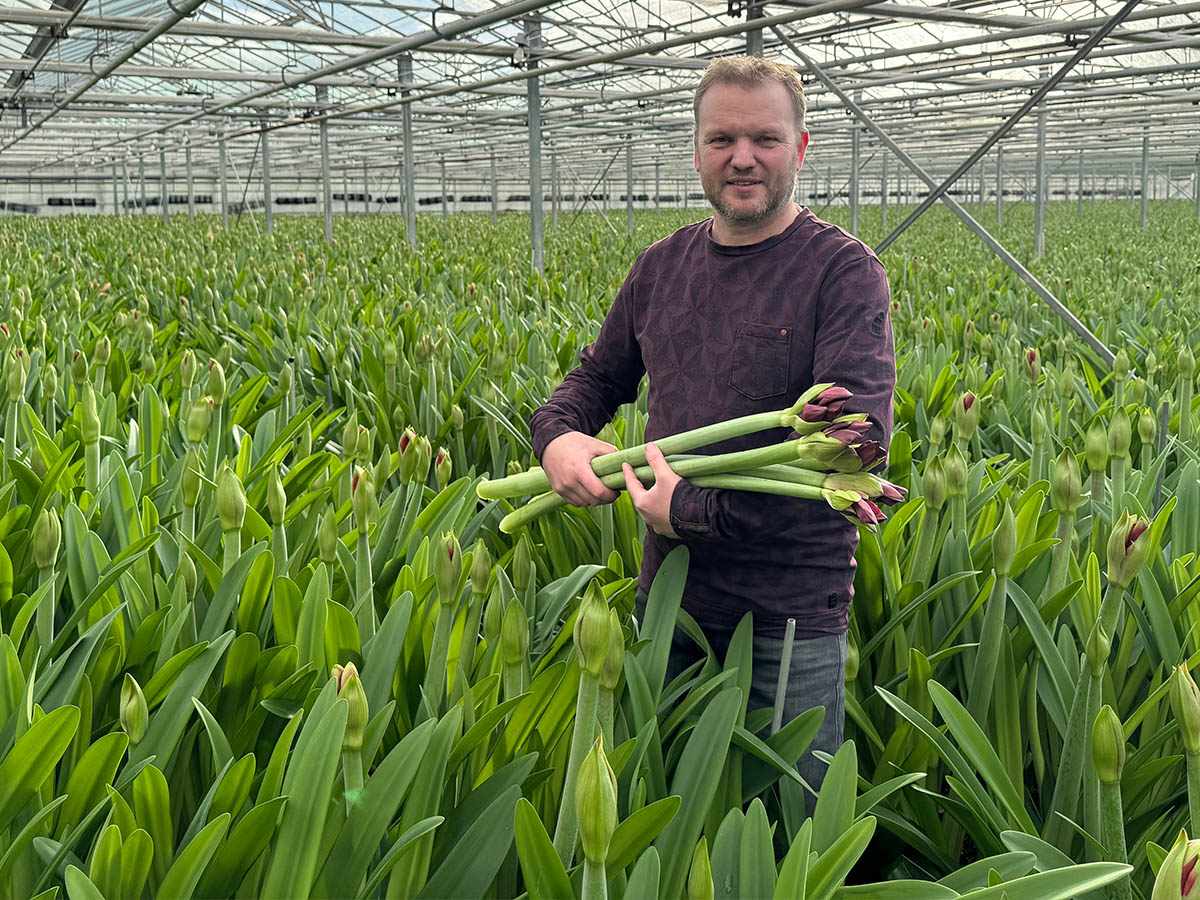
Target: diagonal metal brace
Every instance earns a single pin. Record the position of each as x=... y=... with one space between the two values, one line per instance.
x=994 y=245
x=1004 y=129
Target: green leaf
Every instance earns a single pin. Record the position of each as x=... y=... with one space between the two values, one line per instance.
x=545 y=877
x=834 y=811
x=85 y=786
x=1057 y=884
x=637 y=832
x=487 y=842
x=32 y=760
x=183 y=876
x=792 y=883
x=831 y=868
x=80 y=887
x=643 y=880
x=757 y=856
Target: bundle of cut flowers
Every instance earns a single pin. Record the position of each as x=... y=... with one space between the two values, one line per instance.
x=829 y=461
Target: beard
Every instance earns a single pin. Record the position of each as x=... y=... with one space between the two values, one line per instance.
x=779 y=191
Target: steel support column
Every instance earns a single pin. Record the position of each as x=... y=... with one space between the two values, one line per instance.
x=221 y=174
x=554 y=190
x=1039 y=189
x=533 y=93
x=754 y=37
x=629 y=183
x=191 y=181
x=410 y=175
x=445 y=202
x=366 y=189
x=1099 y=35
x=326 y=183
x=994 y=245
x=657 y=187
x=116 y=202
x=1145 y=173
x=1196 y=186
x=142 y=183
x=162 y=183
x=125 y=210
x=855 y=150
x=495 y=193
x=999 y=186
x=1079 y=198
x=883 y=192
x=268 y=215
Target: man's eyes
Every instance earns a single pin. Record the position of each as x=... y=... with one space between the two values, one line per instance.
x=765 y=139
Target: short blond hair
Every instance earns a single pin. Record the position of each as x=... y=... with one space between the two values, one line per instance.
x=752 y=71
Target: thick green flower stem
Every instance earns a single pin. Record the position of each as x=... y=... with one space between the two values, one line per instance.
x=364 y=602
x=1110 y=608
x=1061 y=555
x=584 y=733
x=10 y=439
x=45 y=610
x=352 y=777
x=1118 y=487
x=513 y=677
x=100 y=371
x=91 y=468
x=1184 y=402
x=604 y=712
x=1112 y=835
x=534 y=481
x=435 y=674
x=958 y=513
x=278 y=549
x=1076 y=746
x=187 y=522
x=470 y=636
x=595 y=884
x=987 y=655
x=233 y=548
x=1193 y=784
x=1095 y=504
x=923 y=558
x=214 y=441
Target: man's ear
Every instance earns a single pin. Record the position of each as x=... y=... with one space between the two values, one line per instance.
x=801 y=147
x=695 y=151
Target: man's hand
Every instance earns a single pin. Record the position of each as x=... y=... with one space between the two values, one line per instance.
x=567 y=462
x=654 y=504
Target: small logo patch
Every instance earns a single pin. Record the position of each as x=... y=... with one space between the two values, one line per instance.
x=877 y=325
x=831 y=601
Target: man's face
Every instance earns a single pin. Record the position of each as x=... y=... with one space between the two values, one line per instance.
x=747 y=151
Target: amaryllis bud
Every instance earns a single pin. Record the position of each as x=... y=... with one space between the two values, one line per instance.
x=422 y=459
x=481 y=568
x=90 y=418
x=190 y=479
x=1185 y=704
x=934 y=484
x=1033 y=364
x=187 y=368
x=614 y=659
x=1147 y=427
x=1096 y=447
x=493 y=617
x=79 y=366
x=1187 y=362
x=276 y=496
x=16 y=380
x=47 y=536
x=199 y=419
x=937 y=432
x=592 y=630
x=1127 y=549
x=327 y=536
x=186 y=572
x=700 y=881
x=1097 y=649
x=442 y=468
x=350 y=689
x=1108 y=746
x=363 y=448
x=1178 y=874
x=522 y=564
x=284 y=381
x=1065 y=484
x=407 y=454
x=304 y=443
x=102 y=351
x=867 y=512
x=456 y=417
x=362 y=498
x=596 y=804
x=49 y=381
x=231 y=500
x=514 y=634
x=870 y=454
x=1037 y=425
x=447 y=568
x=966 y=415
x=134 y=715
x=1004 y=541
x=1119 y=435
x=1121 y=364
x=215 y=386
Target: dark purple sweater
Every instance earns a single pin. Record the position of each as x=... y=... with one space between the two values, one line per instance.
x=724 y=332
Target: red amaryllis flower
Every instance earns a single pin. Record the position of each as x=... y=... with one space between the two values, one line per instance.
x=849 y=432
x=870 y=453
x=354 y=482
x=968 y=400
x=892 y=493
x=867 y=512
x=1187 y=879
x=1136 y=530
x=404 y=442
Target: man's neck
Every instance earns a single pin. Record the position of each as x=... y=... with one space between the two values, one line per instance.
x=735 y=235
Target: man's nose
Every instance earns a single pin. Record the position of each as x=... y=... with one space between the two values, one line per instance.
x=743 y=155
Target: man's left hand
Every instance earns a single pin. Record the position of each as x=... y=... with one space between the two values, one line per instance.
x=654 y=504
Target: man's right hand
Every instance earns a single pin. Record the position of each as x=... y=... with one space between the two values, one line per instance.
x=567 y=462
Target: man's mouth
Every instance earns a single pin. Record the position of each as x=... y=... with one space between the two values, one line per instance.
x=743 y=182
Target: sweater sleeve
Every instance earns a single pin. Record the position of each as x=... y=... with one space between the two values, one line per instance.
x=608 y=374
x=852 y=347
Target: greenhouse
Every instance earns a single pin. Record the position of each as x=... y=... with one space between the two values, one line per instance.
x=589 y=449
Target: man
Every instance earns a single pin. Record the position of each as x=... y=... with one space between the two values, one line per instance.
x=735 y=315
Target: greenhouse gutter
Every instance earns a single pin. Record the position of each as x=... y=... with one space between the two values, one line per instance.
x=994 y=245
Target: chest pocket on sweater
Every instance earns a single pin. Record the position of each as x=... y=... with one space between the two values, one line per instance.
x=760 y=360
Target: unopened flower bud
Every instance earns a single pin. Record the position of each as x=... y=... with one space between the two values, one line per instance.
x=493 y=617
x=937 y=432
x=1185 y=704
x=1127 y=548
x=1097 y=650
x=231 y=500
x=188 y=368
x=350 y=688
x=79 y=366
x=1065 y=484
x=1096 y=447
x=362 y=498
x=442 y=468
x=456 y=417
x=1121 y=365
x=49 y=381
x=90 y=418
x=1187 y=362
x=1179 y=873
x=522 y=564
x=1004 y=541
x=350 y=436
x=407 y=455
x=190 y=479
x=596 y=804
x=422 y=460
x=514 y=634
x=47 y=536
x=186 y=572
x=966 y=415
x=134 y=714
x=276 y=496
x=102 y=351
x=215 y=386
x=1108 y=746
x=1033 y=364
x=447 y=568
x=700 y=881
x=327 y=536
x=1037 y=425
x=284 y=381
x=481 y=568
x=1147 y=427
x=1119 y=435
x=614 y=659
x=592 y=625
x=363 y=447
x=956 y=473
x=934 y=484
x=199 y=419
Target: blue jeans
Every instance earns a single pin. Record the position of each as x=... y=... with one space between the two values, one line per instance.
x=816 y=677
